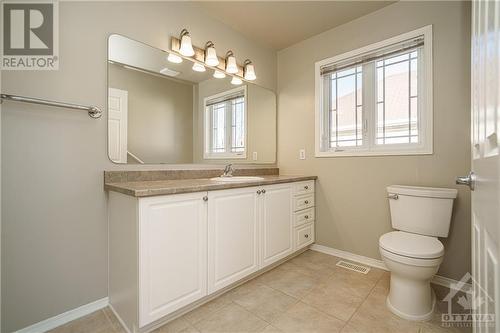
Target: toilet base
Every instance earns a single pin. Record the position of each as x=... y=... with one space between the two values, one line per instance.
x=424 y=317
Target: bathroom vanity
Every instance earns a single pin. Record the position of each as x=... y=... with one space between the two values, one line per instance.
x=177 y=243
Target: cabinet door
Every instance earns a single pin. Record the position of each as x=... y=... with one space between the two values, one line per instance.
x=172 y=253
x=277 y=223
x=232 y=236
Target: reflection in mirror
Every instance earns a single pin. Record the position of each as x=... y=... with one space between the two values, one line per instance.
x=162 y=110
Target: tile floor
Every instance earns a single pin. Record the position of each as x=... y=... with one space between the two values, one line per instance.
x=306 y=294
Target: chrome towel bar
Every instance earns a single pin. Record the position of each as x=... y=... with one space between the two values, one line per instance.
x=94 y=112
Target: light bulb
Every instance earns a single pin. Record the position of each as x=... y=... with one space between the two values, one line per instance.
x=174 y=58
x=249 y=71
x=236 y=80
x=186 y=48
x=211 y=58
x=219 y=75
x=198 y=67
x=231 y=66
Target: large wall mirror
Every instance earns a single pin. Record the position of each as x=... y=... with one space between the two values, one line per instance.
x=165 y=112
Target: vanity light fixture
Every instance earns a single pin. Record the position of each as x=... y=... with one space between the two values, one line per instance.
x=236 y=80
x=211 y=58
x=186 y=48
x=174 y=58
x=219 y=75
x=231 y=66
x=197 y=67
x=249 y=71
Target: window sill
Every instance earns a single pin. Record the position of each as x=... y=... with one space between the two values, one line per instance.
x=225 y=156
x=352 y=153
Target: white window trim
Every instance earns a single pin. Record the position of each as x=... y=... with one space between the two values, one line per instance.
x=207 y=154
x=426 y=118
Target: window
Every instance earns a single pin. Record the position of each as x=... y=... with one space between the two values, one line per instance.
x=377 y=100
x=225 y=124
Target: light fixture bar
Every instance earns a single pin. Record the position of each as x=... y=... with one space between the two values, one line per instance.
x=199 y=55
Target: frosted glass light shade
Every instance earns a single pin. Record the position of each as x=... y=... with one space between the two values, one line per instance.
x=186 y=48
x=249 y=72
x=236 y=81
x=211 y=58
x=174 y=58
x=198 y=67
x=231 y=66
x=219 y=75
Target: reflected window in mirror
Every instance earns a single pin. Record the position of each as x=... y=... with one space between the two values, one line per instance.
x=226 y=124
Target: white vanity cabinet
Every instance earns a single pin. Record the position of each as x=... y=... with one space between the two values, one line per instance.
x=168 y=253
x=172 y=253
x=277 y=222
x=233 y=242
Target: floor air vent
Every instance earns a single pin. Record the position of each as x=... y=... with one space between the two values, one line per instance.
x=353 y=267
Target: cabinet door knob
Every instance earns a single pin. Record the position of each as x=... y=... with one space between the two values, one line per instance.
x=306 y=217
x=306 y=202
x=306 y=236
x=205 y=198
x=306 y=187
x=263 y=191
x=259 y=191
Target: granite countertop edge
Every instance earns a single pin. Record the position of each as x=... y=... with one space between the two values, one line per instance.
x=166 y=187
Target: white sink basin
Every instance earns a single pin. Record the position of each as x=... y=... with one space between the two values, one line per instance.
x=237 y=179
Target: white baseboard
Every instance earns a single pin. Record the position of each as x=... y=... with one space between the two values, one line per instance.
x=439 y=280
x=65 y=317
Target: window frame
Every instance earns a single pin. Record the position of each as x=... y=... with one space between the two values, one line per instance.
x=369 y=148
x=207 y=153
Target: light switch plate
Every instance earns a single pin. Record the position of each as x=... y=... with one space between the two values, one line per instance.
x=254 y=156
x=302 y=154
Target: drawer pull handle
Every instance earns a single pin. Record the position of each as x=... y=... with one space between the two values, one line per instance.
x=306 y=236
x=259 y=191
x=306 y=187
x=306 y=202
x=205 y=198
x=263 y=191
x=306 y=217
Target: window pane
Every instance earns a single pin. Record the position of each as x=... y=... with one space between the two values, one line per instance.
x=397 y=107
x=238 y=125
x=345 y=109
x=218 y=127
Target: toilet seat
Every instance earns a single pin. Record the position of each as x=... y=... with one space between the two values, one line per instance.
x=411 y=246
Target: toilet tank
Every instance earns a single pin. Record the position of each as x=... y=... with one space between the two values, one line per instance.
x=421 y=210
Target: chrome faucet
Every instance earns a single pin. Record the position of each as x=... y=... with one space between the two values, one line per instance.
x=228 y=171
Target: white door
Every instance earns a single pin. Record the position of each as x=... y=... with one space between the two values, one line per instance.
x=172 y=253
x=117 y=125
x=232 y=236
x=277 y=223
x=485 y=161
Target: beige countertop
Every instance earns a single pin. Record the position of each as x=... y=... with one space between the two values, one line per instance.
x=176 y=186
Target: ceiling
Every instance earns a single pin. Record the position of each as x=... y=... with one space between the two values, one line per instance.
x=279 y=24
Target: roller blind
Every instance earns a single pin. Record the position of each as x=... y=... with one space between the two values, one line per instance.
x=374 y=55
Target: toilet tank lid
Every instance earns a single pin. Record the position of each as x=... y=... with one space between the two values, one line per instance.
x=420 y=191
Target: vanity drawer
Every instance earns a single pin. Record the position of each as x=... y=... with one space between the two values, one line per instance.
x=303 y=188
x=304 y=236
x=303 y=202
x=303 y=216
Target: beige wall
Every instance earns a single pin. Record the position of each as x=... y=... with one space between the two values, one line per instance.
x=261 y=118
x=54 y=219
x=352 y=211
x=160 y=115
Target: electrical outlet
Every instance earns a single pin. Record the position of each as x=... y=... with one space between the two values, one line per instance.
x=254 y=156
x=302 y=154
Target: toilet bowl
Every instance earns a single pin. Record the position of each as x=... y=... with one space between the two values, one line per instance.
x=410 y=295
x=413 y=253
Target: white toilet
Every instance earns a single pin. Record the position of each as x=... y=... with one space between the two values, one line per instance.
x=413 y=253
